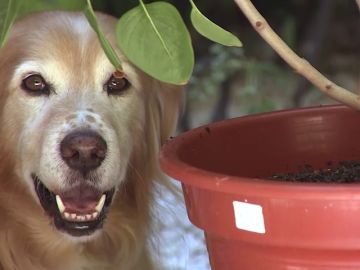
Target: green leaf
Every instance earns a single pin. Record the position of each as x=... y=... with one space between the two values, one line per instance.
x=10 y=10
x=8 y=13
x=155 y=39
x=211 y=30
x=108 y=49
x=30 y=6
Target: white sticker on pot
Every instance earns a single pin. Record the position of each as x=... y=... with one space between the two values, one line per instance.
x=249 y=217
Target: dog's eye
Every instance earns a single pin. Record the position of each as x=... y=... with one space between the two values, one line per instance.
x=35 y=84
x=117 y=84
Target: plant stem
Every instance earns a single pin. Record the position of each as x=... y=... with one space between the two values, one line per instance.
x=104 y=42
x=300 y=65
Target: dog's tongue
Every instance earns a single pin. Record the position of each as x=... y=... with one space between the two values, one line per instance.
x=81 y=199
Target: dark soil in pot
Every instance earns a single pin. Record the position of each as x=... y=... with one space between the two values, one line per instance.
x=342 y=172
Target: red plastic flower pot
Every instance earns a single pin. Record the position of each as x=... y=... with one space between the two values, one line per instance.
x=252 y=223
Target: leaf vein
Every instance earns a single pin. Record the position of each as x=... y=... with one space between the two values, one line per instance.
x=156 y=30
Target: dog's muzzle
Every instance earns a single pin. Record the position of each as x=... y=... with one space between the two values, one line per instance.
x=82 y=209
x=83 y=150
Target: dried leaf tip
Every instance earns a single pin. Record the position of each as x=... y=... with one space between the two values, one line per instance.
x=119 y=74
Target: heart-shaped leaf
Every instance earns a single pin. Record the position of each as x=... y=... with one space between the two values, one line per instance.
x=155 y=39
x=211 y=30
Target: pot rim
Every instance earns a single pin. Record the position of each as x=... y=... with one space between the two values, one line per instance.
x=180 y=170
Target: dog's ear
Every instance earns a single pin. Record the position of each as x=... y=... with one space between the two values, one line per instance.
x=163 y=103
x=171 y=106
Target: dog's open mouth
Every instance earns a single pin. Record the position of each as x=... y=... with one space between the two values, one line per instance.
x=79 y=211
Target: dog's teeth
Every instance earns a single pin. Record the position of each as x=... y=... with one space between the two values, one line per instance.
x=76 y=217
x=101 y=203
x=60 y=204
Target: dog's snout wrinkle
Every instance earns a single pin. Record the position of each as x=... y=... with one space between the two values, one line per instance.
x=83 y=150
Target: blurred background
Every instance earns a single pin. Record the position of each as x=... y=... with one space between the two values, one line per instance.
x=229 y=82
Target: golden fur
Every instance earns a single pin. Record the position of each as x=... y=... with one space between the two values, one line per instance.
x=142 y=119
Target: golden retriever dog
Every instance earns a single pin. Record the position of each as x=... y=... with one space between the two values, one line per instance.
x=79 y=149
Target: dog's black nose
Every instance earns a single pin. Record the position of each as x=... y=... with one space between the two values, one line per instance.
x=83 y=150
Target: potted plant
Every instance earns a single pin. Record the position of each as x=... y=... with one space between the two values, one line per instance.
x=256 y=223
x=251 y=222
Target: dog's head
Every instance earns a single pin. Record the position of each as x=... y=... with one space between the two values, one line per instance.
x=75 y=128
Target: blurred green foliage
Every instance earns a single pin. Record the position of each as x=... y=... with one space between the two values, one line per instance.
x=43 y=5
x=231 y=64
